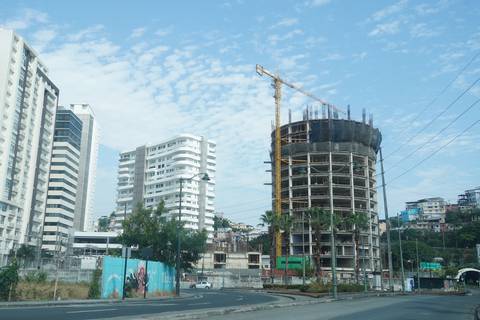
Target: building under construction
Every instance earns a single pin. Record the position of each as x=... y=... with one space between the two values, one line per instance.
x=321 y=156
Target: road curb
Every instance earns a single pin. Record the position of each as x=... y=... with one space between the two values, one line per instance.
x=79 y=302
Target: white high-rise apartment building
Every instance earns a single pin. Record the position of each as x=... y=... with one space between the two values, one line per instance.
x=150 y=174
x=63 y=181
x=28 y=101
x=87 y=167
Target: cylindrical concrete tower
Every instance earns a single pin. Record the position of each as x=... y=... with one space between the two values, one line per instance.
x=311 y=150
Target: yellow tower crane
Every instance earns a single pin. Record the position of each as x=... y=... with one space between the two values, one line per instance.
x=277 y=84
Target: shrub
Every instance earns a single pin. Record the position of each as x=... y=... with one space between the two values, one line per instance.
x=36 y=277
x=8 y=281
x=318 y=287
x=94 y=289
x=282 y=286
x=344 y=287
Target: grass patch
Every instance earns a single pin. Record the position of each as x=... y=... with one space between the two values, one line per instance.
x=32 y=291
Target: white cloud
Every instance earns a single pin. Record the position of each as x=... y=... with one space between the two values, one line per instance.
x=421 y=30
x=428 y=8
x=43 y=37
x=87 y=33
x=285 y=22
x=359 y=56
x=388 y=11
x=164 y=32
x=388 y=28
x=138 y=32
x=27 y=18
x=289 y=63
x=317 y=3
x=275 y=38
x=331 y=57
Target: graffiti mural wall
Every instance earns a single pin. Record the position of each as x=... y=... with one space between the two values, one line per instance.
x=159 y=280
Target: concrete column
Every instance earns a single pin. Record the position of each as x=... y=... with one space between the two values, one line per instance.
x=369 y=212
x=352 y=196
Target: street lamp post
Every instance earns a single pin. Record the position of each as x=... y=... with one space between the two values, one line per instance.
x=401 y=253
x=177 y=273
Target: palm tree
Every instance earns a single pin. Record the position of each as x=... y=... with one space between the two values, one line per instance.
x=285 y=223
x=356 y=221
x=319 y=221
x=269 y=219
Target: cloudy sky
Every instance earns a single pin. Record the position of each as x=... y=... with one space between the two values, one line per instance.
x=152 y=69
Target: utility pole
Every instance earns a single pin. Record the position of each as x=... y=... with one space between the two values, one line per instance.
x=333 y=247
x=58 y=246
x=401 y=254
x=418 y=266
x=145 y=280
x=124 y=291
x=177 y=273
x=385 y=205
x=303 y=248
x=364 y=269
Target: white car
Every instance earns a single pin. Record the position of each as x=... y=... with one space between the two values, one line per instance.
x=202 y=285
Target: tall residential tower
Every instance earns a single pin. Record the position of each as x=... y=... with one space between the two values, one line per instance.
x=87 y=167
x=28 y=101
x=63 y=181
x=150 y=174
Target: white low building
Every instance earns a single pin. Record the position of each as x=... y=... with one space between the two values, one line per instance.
x=95 y=243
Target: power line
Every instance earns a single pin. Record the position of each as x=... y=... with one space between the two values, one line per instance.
x=243 y=203
x=432 y=154
x=435 y=136
x=434 y=118
x=441 y=92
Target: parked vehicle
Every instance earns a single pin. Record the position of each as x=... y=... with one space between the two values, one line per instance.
x=201 y=285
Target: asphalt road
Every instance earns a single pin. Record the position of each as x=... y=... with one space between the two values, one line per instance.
x=375 y=308
x=201 y=299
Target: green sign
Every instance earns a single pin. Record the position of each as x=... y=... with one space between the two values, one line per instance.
x=294 y=263
x=430 y=266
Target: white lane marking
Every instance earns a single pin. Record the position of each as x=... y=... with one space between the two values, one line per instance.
x=96 y=310
x=198 y=304
x=149 y=304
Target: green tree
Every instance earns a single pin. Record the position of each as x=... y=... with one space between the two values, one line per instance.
x=319 y=220
x=147 y=227
x=357 y=222
x=262 y=243
x=219 y=223
x=25 y=253
x=269 y=219
x=8 y=280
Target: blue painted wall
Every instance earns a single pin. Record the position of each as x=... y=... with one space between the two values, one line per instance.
x=160 y=277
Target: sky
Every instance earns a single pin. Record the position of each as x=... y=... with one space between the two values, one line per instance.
x=155 y=69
